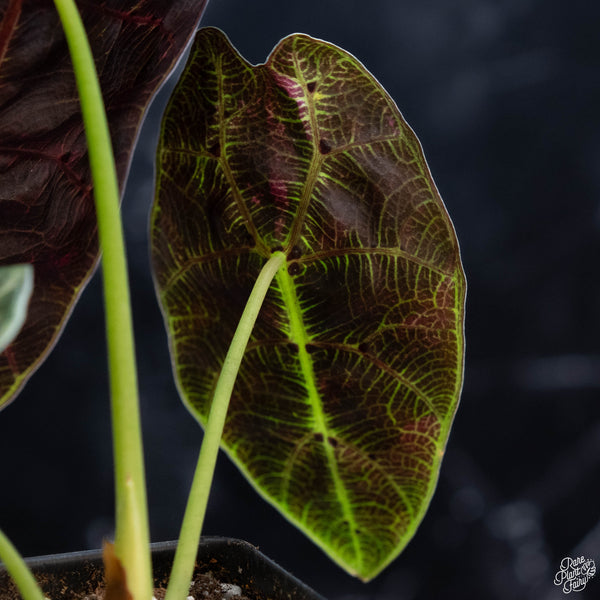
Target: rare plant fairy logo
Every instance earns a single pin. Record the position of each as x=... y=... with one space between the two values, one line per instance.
x=574 y=573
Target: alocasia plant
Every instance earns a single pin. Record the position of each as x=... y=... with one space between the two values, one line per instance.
x=296 y=216
x=350 y=381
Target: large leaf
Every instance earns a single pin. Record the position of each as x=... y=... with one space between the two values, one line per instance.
x=350 y=382
x=47 y=213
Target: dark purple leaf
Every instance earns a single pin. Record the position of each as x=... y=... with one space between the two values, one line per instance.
x=47 y=214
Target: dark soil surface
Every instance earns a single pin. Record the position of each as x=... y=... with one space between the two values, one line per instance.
x=225 y=570
x=91 y=587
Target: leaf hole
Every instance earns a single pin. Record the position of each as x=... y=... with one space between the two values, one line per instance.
x=311 y=86
x=294 y=269
x=324 y=147
x=311 y=348
x=215 y=150
x=332 y=442
x=318 y=437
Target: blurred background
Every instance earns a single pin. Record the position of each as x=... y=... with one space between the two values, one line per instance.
x=504 y=96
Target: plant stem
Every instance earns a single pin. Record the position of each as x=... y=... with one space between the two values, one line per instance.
x=191 y=529
x=19 y=571
x=132 y=530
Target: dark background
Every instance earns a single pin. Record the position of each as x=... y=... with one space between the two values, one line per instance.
x=504 y=97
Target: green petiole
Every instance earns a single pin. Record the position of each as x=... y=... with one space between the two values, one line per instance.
x=191 y=529
x=132 y=529
x=19 y=571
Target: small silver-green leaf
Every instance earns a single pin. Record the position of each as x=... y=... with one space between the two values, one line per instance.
x=16 y=285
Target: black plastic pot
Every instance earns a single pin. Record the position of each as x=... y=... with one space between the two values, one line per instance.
x=79 y=574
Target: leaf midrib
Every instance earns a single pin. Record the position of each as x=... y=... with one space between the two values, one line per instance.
x=222 y=160
x=316 y=161
x=299 y=336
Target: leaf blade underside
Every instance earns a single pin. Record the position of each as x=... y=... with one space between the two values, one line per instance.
x=47 y=214
x=344 y=401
